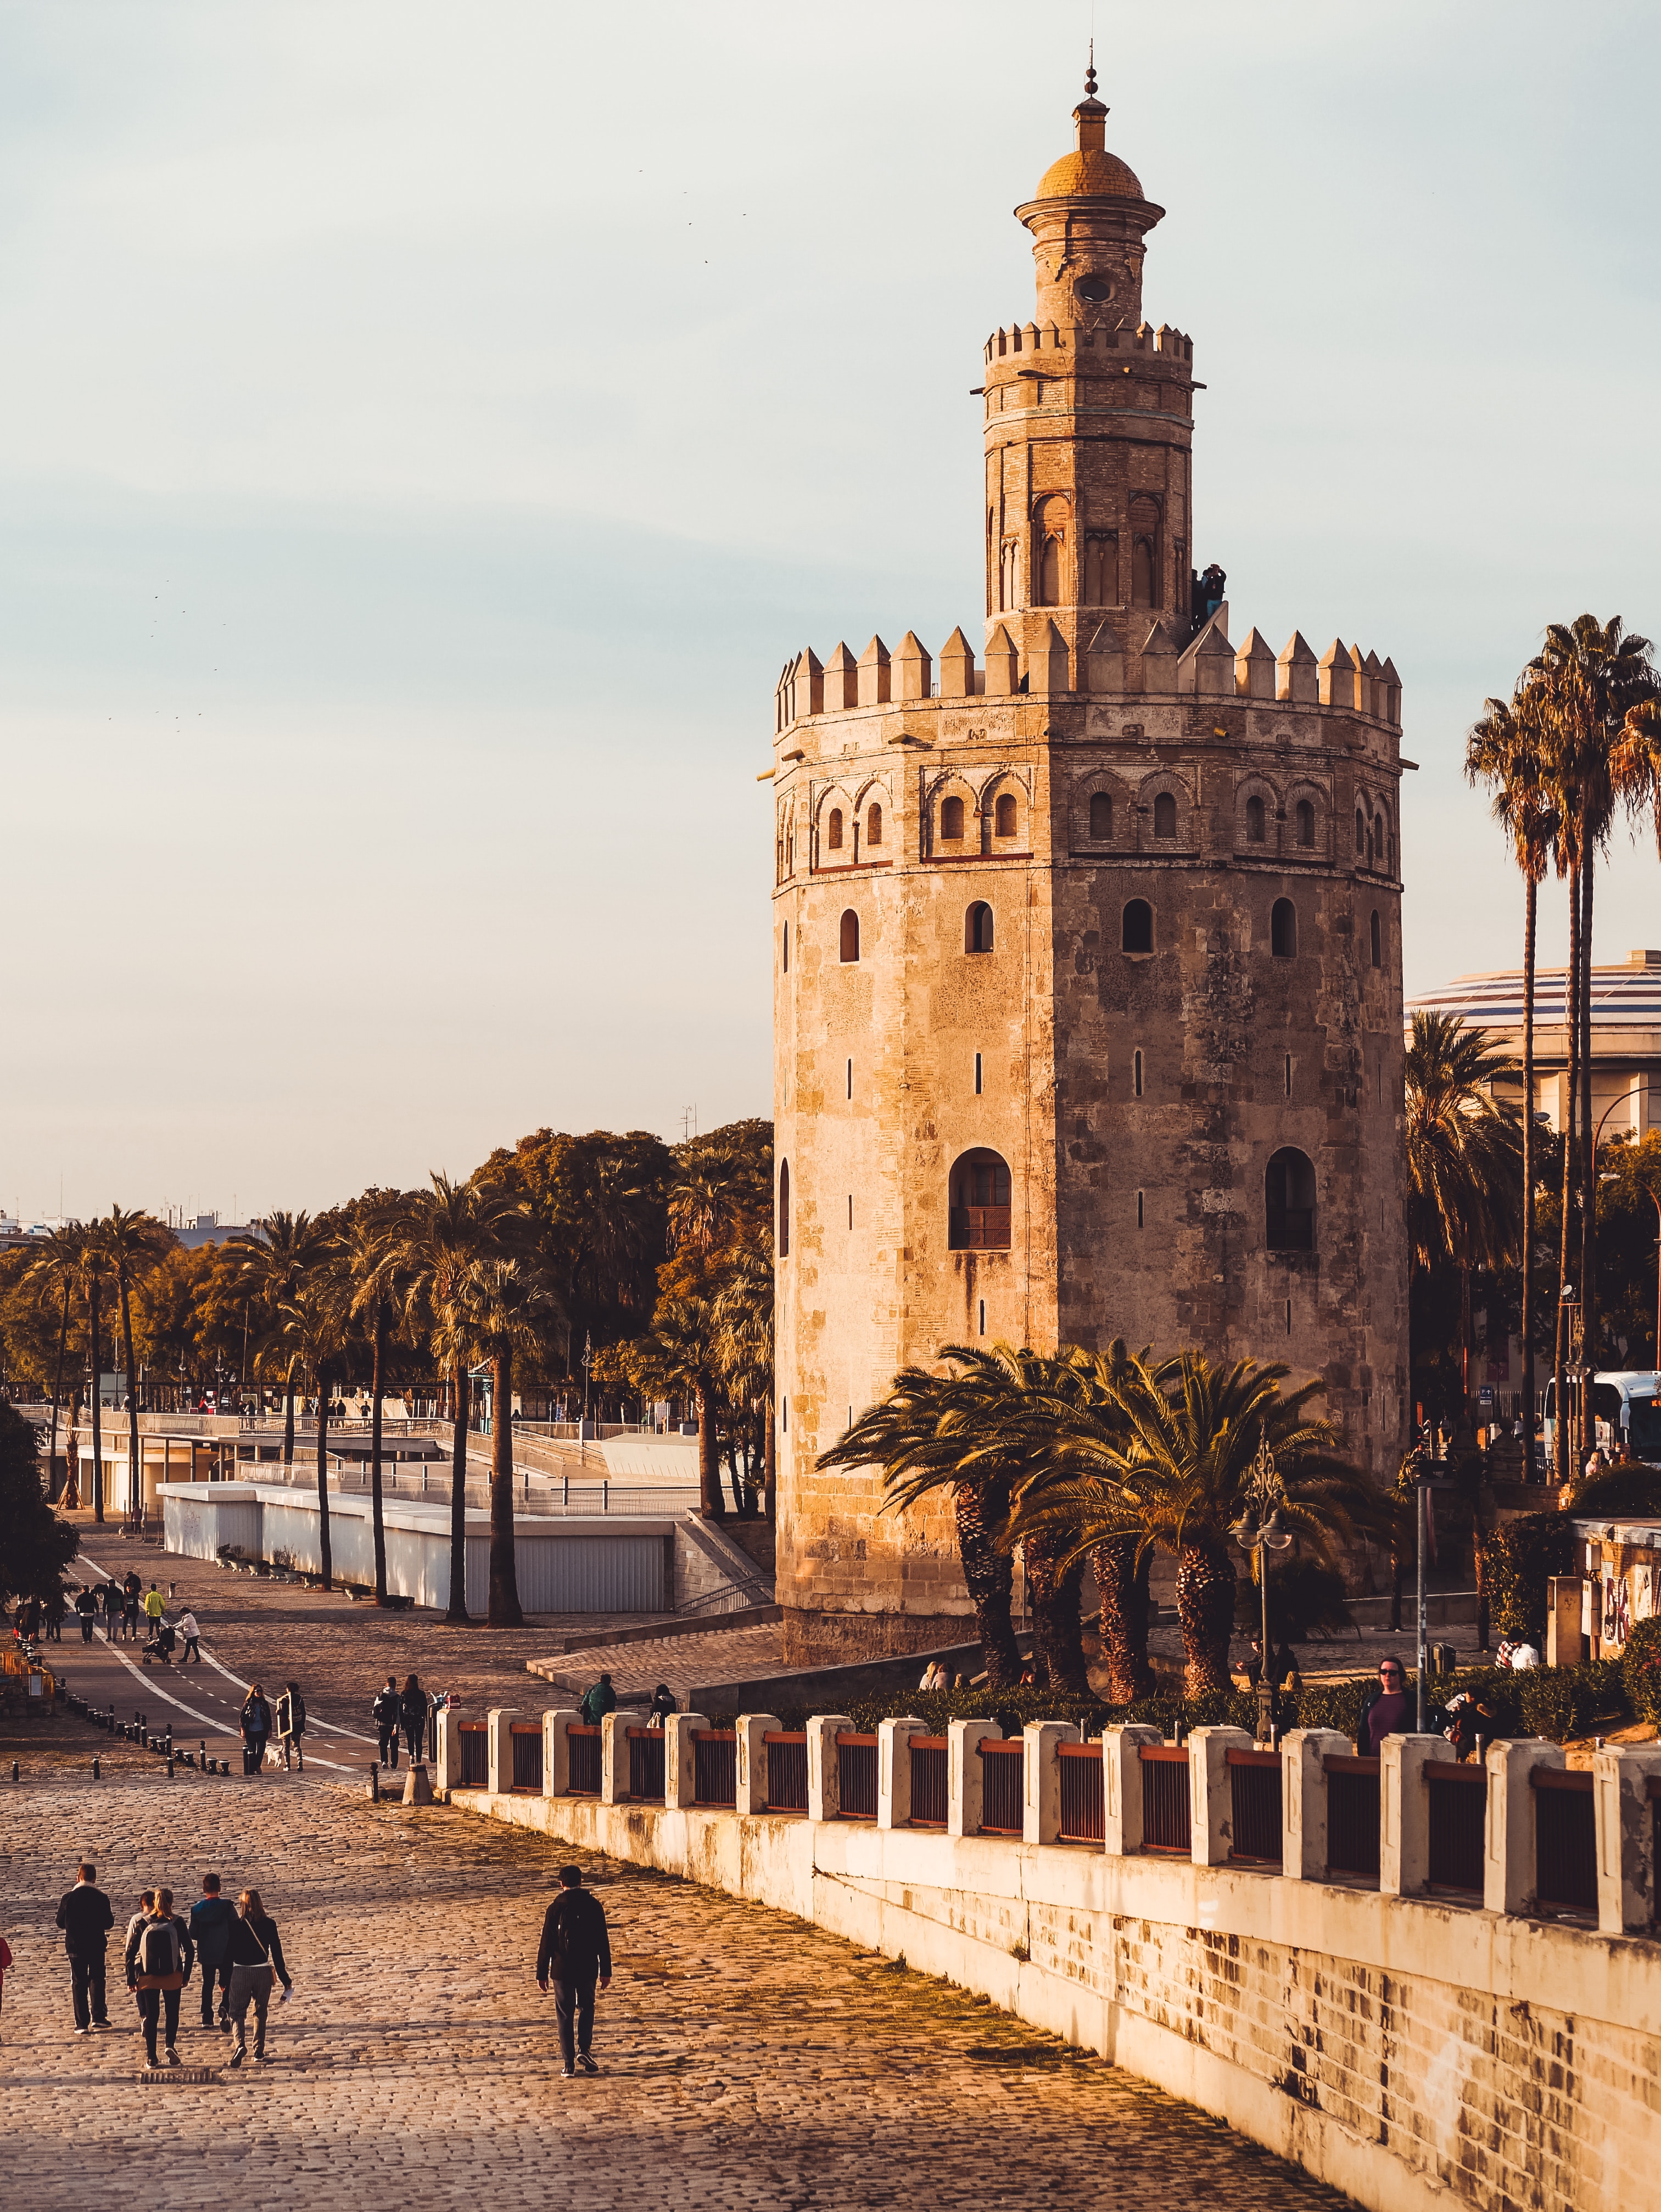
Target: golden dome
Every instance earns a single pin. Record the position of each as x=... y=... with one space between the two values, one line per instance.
x=1100 y=173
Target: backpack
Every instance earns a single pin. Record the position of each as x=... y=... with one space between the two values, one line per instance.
x=158 y=1948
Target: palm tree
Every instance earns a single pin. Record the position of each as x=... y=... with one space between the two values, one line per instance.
x=313 y=1326
x=1171 y=1468
x=134 y=1242
x=923 y=1434
x=367 y=1237
x=1591 y=675
x=54 y=1273
x=270 y=1270
x=506 y=1305
x=744 y=1322
x=681 y=1356
x=93 y=1273
x=439 y=1238
x=1465 y=1158
x=1510 y=749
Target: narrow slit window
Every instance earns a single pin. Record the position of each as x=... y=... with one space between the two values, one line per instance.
x=1138 y=1209
x=850 y=1078
x=850 y=1209
x=983 y=1317
x=1377 y=940
x=873 y=826
x=850 y=936
x=1136 y=1075
x=1288 y=1075
x=787 y=948
x=1288 y=1316
x=977 y=1075
x=784 y=1210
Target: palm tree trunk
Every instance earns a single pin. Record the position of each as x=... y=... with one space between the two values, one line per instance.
x=135 y=1480
x=1058 y=1660
x=1205 y=1605
x=1563 y=1453
x=57 y=1390
x=1121 y=1580
x=990 y=1577
x=457 y=1609
x=1479 y=1560
x=1588 y=1168
x=97 y=1408
x=1464 y=1346
x=1529 y=924
x=323 y=1548
x=377 y=1515
x=504 y=1607
x=287 y=1419
x=710 y=1503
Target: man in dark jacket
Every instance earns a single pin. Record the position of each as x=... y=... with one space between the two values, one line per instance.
x=384 y=1713
x=86 y=1605
x=575 y=1950
x=210 y=1931
x=599 y=1701
x=85 y=1918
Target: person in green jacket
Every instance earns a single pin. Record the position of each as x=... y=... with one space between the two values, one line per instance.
x=599 y=1701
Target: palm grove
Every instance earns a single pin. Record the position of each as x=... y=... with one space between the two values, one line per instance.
x=615 y=1263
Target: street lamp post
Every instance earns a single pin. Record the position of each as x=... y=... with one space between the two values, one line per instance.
x=1259 y=1531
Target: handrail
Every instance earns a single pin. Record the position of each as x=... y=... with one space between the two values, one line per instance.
x=725 y=1735
x=581 y=1727
x=785 y=1735
x=923 y=1743
x=1236 y=1757
x=1453 y=1770
x=1578 y=1779
x=989 y=1747
x=525 y=1727
x=1346 y=1762
x=1153 y=1753
x=843 y=1736
x=1074 y=1750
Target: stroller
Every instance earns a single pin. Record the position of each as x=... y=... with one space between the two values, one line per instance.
x=162 y=1639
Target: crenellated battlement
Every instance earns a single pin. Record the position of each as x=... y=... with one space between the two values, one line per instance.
x=1094 y=338
x=1124 y=657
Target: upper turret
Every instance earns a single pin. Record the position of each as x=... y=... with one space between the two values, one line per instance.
x=1088 y=223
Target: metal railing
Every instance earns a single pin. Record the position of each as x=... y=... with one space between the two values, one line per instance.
x=1565 y=1839
x=786 y=1751
x=646 y=1764
x=473 y=1755
x=525 y=1738
x=1254 y=1794
x=1352 y=1813
x=583 y=1759
x=856 y=1777
x=1455 y=1815
x=715 y=1766
x=928 y=1781
x=1167 y=1814
x=1083 y=1814
x=1003 y=1786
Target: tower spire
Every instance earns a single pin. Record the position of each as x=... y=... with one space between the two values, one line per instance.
x=1090 y=74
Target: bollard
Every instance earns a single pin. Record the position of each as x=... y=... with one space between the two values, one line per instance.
x=13 y=1770
x=170 y=1767
x=375 y=1782
x=96 y=1774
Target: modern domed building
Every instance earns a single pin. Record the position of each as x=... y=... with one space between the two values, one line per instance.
x=1086 y=950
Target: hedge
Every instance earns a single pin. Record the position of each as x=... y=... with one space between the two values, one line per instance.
x=1640 y=1670
x=1520 y=1557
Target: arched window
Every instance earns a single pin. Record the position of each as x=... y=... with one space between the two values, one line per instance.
x=1101 y=581
x=1138 y=926
x=1254 y=821
x=1361 y=831
x=1164 y=816
x=833 y=830
x=850 y=935
x=977 y=928
x=1378 y=838
x=873 y=824
x=978 y=1204
x=1008 y=576
x=1377 y=940
x=1050 y=572
x=1004 y=821
x=1141 y=573
x=1101 y=816
x=784 y=1209
x=790 y=852
x=1289 y=1201
x=1305 y=820
x=952 y=821
x=1283 y=930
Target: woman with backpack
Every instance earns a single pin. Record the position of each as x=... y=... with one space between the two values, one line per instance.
x=291 y=1724
x=413 y=1710
x=160 y=1955
x=255 y=1723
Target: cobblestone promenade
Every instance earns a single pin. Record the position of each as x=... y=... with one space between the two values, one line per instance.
x=748 y=2061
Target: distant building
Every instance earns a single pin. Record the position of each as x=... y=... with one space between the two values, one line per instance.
x=209 y=1229
x=1626 y=1036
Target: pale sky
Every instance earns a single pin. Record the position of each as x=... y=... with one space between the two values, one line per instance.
x=426 y=430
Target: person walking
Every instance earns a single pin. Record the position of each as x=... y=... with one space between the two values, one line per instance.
x=412 y=1709
x=57 y=1606
x=191 y=1634
x=663 y=1704
x=86 y=1606
x=212 y=1916
x=131 y=1591
x=599 y=1701
x=255 y=1723
x=155 y=1606
x=384 y=1713
x=291 y=1725
x=576 y=1953
x=159 y=1956
x=114 y=1609
x=84 y=1916
x=255 y=1957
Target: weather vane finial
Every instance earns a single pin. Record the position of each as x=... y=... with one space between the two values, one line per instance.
x=1090 y=74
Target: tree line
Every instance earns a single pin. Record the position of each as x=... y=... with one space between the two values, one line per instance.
x=603 y=1260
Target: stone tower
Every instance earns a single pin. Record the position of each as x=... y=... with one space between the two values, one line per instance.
x=1087 y=954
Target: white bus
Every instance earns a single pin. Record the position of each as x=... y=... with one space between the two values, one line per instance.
x=1624 y=1407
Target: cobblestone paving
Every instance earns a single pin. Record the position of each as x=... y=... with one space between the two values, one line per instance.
x=748 y=2061
x=722 y=1656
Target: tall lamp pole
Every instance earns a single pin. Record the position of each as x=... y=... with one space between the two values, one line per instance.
x=1260 y=1530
